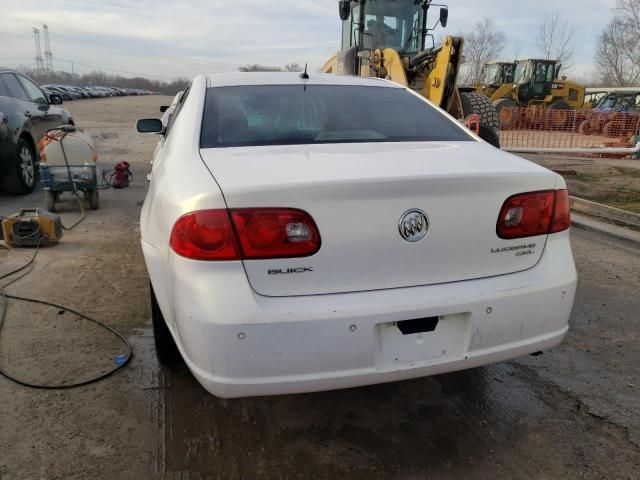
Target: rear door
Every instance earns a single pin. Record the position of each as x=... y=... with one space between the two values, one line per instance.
x=51 y=117
x=31 y=119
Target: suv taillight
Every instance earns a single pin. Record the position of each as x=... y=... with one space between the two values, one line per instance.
x=535 y=213
x=246 y=233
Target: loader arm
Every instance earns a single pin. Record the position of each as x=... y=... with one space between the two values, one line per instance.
x=392 y=64
x=442 y=79
x=503 y=91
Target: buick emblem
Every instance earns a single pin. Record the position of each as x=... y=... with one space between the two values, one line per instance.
x=413 y=225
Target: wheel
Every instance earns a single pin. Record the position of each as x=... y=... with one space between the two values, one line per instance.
x=507 y=113
x=559 y=114
x=474 y=103
x=584 y=128
x=533 y=115
x=21 y=177
x=94 y=200
x=166 y=349
x=613 y=129
x=50 y=201
x=489 y=135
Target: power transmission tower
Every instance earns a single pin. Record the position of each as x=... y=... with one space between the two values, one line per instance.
x=39 y=60
x=48 y=56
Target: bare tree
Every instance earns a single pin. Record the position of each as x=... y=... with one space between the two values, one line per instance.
x=618 y=50
x=292 y=67
x=482 y=45
x=516 y=50
x=615 y=65
x=259 y=68
x=556 y=40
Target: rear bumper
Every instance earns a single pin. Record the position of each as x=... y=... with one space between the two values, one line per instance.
x=238 y=343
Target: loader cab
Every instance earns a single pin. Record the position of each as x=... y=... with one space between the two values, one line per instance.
x=498 y=73
x=534 y=79
x=379 y=24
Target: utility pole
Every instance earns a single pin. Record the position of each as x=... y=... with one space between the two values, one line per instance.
x=39 y=60
x=48 y=56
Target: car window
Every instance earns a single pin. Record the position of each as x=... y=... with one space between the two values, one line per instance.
x=3 y=89
x=176 y=110
x=293 y=114
x=13 y=87
x=34 y=91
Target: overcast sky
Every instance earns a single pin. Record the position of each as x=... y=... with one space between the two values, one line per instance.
x=166 y=40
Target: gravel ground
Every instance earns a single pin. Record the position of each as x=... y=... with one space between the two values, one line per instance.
x=572 y=413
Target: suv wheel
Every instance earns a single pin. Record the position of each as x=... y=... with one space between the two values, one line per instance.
x=21 y=177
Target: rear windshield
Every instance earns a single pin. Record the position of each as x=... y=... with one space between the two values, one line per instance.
x=312 y=114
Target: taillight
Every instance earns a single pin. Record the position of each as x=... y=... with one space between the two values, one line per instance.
x=275 y=232
x=205 y=235
x=561 y=212
x=247 y=233
x=533 y=214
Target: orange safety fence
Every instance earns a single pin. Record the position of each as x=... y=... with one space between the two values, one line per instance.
x=539 y=127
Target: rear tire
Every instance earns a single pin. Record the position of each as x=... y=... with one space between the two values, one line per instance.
x=474 y=103
x=166 y=349
x=21 y=176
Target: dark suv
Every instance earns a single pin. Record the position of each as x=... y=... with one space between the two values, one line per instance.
x=26 y=113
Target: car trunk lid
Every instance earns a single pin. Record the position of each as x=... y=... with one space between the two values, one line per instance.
x=358 y=193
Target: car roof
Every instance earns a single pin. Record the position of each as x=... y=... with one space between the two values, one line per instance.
x=237 y=79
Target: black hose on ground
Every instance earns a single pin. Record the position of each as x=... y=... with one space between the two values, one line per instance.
x=124 y=359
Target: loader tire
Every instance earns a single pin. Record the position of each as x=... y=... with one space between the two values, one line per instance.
x=507 y=113
x=558 y=114
x=473 y=103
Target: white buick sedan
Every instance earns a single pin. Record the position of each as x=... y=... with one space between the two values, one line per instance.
x=330 y=232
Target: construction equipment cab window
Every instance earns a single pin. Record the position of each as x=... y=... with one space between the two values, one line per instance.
x=396 y=25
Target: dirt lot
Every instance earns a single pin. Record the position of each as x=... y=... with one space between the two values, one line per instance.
x=609 y=181
x=572 y=413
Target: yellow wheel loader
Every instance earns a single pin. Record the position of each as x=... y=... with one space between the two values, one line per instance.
x=494 y=76
x=391 y=39
x=536 y=86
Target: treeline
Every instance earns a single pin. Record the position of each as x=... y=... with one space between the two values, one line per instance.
x=290 y=67
x=106 y=80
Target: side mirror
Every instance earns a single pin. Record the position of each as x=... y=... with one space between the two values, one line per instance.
x=55 y=99
x=344 y=8
x=444 y=17
x=150 y=125
x=164 y=108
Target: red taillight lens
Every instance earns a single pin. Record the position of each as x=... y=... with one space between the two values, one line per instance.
x=205 y=235
x=561 y=212
x=275 y=233
x=535 y=213
x=249 y=233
